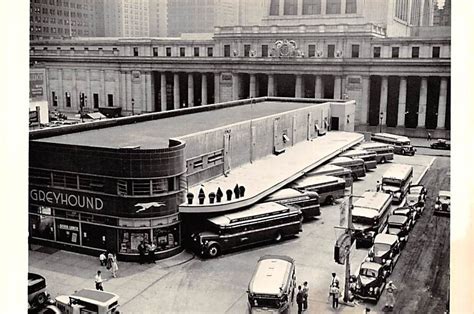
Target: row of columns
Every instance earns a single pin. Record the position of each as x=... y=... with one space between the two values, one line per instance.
x=402 y=101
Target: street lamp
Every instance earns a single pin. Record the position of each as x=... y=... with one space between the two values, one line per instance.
x=133 y=105
x=381 y=120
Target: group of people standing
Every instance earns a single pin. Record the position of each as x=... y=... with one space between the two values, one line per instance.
x=109 y=260
x=147 y=252
x=302 y=297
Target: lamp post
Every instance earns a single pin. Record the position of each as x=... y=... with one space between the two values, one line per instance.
x=381 y=121
x=133 y=105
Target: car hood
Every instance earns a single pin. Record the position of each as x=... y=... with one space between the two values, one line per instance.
x=365 y=281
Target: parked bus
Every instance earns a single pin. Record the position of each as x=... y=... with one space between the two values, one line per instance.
x=369 y=157
x=88 y=301
x=272 y=287
x=384 y=151
x=396 y=181
x=401 y=144
x=328 y=187
x=332 y=170
x=306 y=201
x=357 y=166
x=369 y=216
x=260 y=223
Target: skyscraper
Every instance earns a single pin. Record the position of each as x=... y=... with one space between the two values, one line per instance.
x=127 y=18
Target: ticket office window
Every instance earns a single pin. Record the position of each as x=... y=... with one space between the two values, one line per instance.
x=130 y=239
x=166 y=238
x=42 y=226
x=94 y=236
x=67 y=231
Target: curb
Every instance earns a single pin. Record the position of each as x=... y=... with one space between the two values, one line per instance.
x=424 y=171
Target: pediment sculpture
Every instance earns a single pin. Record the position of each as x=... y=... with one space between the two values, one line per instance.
x=286 y=49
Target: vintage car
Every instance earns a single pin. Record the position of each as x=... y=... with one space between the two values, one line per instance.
x=441 y=144
x=443 y=203
x=416 y=198
x=370 y=281
x=385 y=251
x=409 y=212
x=399 y=225
x=37 y=294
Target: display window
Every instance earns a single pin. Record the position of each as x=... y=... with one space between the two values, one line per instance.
x=166 y=238
x=67 y=231
x=42 y=226
x=130 y=239
x=94 y=236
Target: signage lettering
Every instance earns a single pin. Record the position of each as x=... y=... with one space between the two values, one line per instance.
x=66 y=199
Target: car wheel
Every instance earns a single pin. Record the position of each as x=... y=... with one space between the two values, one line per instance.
x=330 y=200
x=403 y=152
x=377 y=294
x=40 y=299
x=382 y=161
x=214 y=250
x=278 y=237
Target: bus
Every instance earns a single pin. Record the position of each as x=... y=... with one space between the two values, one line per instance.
x=369 y=216
x=401 y=144
x=306 y=201
x=262 y=222
x=333 y=170
x=369 y=157
x=328 y=187
x=397 y=180
x=356 y=165
x=272 y=287
x=88 y=301
x=384 y=151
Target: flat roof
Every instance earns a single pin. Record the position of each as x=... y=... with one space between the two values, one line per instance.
x=270 y=277
x=372 y=200
x=258 y=210
x=397 y=171
x=156 y=133
x=316 y=180
x=99 y=296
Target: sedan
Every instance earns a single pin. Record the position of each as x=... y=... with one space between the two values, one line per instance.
x=443 y=204
x=441 y=144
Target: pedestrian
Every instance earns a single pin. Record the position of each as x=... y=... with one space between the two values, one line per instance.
x=334 y=280
x=378 y=186
x=151 y=253
x=300 y=300
x=367 y=310
x=114 y=265
x=390 y=295
x=103 y=259
x=99 y=281
x=141 y=250
x=334 y=291
x=305 y=295
x=429 y=136
x=110 y=257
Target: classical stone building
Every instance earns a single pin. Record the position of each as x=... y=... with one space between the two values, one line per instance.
x=382 y=54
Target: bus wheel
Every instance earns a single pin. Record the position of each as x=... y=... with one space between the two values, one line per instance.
x=278 y=237
x=330 y=200
x=382 y=161
x=40 y=299
x=213 y=250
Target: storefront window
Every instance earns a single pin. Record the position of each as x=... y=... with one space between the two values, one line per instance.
x=94 y=236
x=130 y=239
x=67 y=231
x=166 y=238
x=42 y=226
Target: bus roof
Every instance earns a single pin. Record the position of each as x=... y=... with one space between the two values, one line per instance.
x=271 y=275
x=95 y=296
x=256 y=211
x=316 y=180
x=328 y=170
x=356 y=152
x=284 y=194
x=398 y=171
x=373 y=145
x=392 y=136
x=373 y=200
x=341 y=160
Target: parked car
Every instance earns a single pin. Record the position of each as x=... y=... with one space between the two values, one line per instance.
x=443 y=203
x=441 y=144
x=416 y=198
x=409 y=212
x=399 y=225
x=385 y=251
x=37 y=294
x=370 y=281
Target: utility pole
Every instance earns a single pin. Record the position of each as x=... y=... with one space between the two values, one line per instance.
x=348 y=263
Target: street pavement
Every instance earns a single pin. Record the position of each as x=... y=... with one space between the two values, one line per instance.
x=189 y=284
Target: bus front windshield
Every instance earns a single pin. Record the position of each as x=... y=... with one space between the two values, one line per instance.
x=273 y=303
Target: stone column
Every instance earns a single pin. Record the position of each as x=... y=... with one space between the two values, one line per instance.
x=204 y=89
x=123 y=93
x=103 y=90
x=299 y=9
x=337 y=87
x=74 y=94
x=318 y=87
x=217 y=88
x=61 y=96
x=235 y=86
x=253 y=86
x=422 y=102
x=402 y=102
x=364 y=106
x=343 y=6
x=281 y=7
x=163 y=91
x=271 y=85
x=118 y=91
x=144 y=103
x=383 y=99
x=443 y=93
x=176 y=90
x=90 y=102
x=298 y=85
x=190 y=90
x=323 y=6
x=129 y=91
x=149 y=98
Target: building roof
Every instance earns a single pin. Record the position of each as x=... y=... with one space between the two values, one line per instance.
x=156 y=133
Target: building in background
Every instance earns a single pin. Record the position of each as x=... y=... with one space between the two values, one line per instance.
x=62 y=18
x=127 y=18
x=442 y=15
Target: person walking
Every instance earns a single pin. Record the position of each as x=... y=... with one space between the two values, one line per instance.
x=141 y=250
x=378 y=186
x=334 y=291
x=110 y=257
x=103 y=259
x=151 y=253
x=114 y=266
x=99 y=281
x=334 y=280
x=429 y=136
x=300 y=300
x=390 y=295
x=305 y=295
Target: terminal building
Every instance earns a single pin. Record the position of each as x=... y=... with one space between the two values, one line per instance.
x=385 y=55
x=108 y=185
